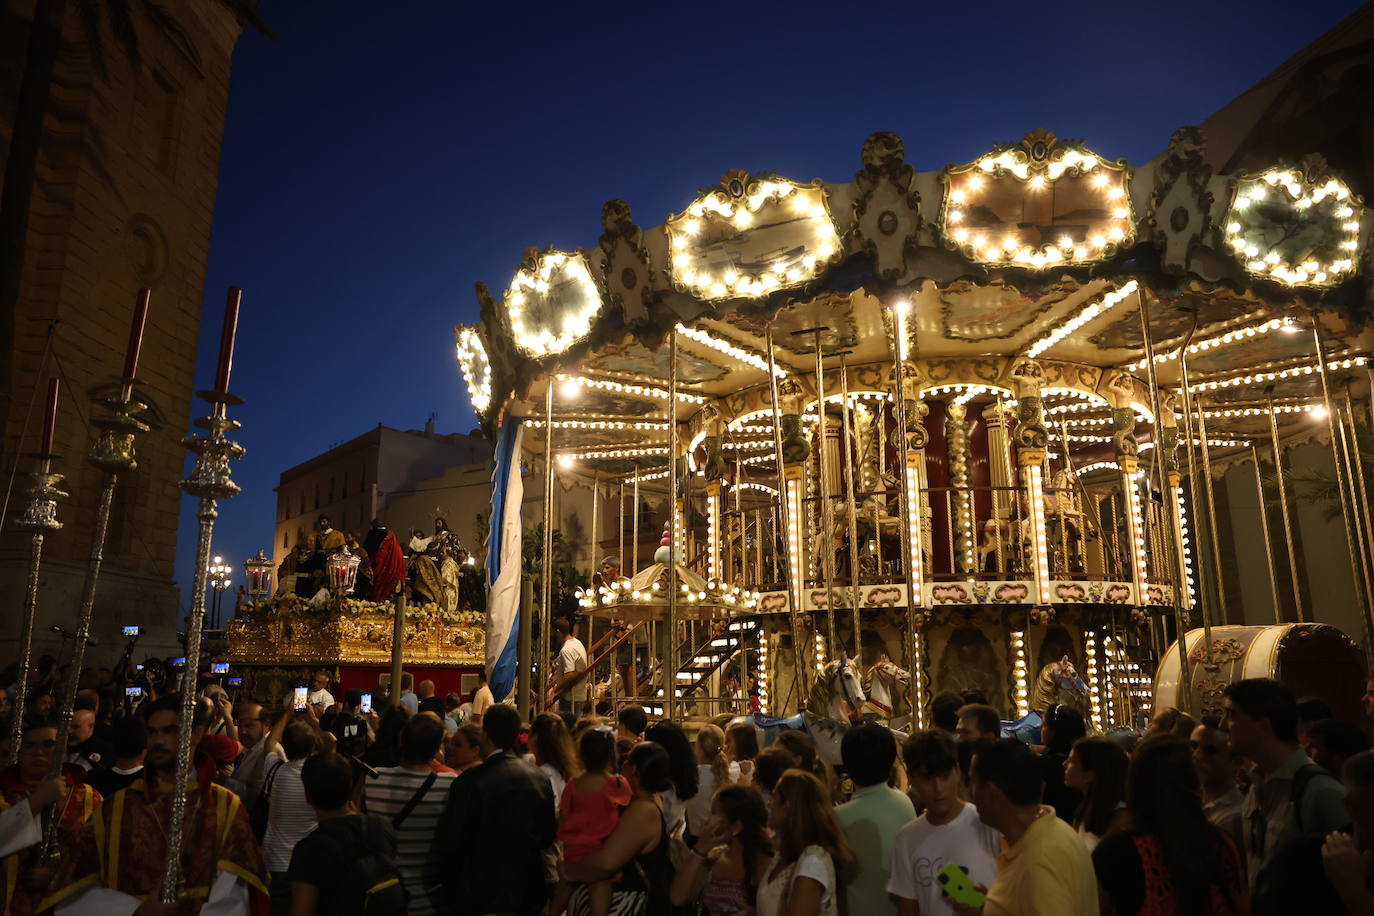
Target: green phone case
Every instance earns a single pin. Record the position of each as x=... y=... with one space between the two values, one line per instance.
x=959 y=886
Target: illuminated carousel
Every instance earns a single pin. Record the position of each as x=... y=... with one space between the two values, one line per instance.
x=974 y=416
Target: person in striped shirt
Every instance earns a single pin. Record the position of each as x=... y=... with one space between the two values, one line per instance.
x=412 y=798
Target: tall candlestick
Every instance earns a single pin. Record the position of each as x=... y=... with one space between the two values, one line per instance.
x=136 y=333
x=50 y=417
x=226 y=339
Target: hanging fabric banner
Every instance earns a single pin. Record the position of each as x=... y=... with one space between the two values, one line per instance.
x=503 y=560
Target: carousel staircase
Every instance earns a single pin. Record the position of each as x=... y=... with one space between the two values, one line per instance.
x=712 y=656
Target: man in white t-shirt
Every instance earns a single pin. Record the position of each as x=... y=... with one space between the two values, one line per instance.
x=950 y=832
x=319 y=694
x=571 y=661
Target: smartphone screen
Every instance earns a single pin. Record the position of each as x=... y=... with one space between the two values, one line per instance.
x=235 y=682
x=365 y=704
x=131 y=631
x=179 y=662
x=219 y=667
x=134 y=691
x=299 y=703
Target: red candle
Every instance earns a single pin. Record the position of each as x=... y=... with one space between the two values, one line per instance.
x=50 y=418
x=226 y=339
x=136 y=333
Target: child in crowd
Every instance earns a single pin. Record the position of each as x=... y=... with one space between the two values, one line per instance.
x=589 y=812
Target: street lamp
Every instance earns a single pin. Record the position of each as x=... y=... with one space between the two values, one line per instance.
x=219 y=580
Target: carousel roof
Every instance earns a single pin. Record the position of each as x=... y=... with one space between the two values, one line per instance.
x=1041 y=250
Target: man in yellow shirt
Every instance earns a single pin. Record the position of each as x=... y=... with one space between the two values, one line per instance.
x=1044 y=868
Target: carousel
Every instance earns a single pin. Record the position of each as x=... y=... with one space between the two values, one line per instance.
x=853 y=445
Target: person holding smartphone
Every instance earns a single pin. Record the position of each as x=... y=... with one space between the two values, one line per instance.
x=949 y=830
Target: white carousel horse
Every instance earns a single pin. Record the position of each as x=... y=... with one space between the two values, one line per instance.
x=888 y=684
x=838 y=691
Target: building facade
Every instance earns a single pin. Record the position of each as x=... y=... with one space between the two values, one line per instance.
x=124 y=198
x=403 y=477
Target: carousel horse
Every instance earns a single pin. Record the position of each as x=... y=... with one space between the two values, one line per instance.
x=1057 y=684
x=887 y=684
x=838 y=692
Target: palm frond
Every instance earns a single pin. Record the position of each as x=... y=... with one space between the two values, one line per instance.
x=247 y=14
x=90 y=14
x=121 y=17
x=167 y=23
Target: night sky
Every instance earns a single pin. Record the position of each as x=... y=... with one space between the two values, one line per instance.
x=376 y=164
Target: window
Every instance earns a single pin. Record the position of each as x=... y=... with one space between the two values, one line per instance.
x=317 y=496
x=330 y=501
x=284 y=537
x=345 y=484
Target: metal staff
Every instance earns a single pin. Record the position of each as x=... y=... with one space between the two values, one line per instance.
x=911 y=553
x=674 y=541
x=39 y=517
x=112 y=453
x=546 y=585
x=209 y=481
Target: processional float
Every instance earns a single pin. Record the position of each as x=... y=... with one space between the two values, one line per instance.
x=962 y=429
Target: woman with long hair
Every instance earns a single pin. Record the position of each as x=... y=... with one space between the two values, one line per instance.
x=811 y=848
x=731 y=856
x=1170 y=858
x=635 y=855
x=552 y=749
x=742 y=746
x=682 y=767
x=802 y=747
x=713 y=772
x=1097 y=768
x=1063 y=726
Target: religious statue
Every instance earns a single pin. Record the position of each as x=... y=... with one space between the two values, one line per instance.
x=426 y=562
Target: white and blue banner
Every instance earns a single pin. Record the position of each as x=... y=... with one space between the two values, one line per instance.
x=503 y=560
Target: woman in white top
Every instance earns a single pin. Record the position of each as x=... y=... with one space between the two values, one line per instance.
x=811 y=846
x=713 y=772
x=742 y=746
x=1097 y=768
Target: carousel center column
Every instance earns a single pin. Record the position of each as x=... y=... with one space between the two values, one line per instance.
x=911 y=440
x=1032 y=440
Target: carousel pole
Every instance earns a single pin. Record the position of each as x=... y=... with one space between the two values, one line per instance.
x=112 y=454
x=1268 y=545
x=594 y=549
x=546 y=577
x=1178 y=562
x=39 y=517
x=1212 y=535
x=801 y=677
x=909 y=481
x=1283 y=503
x=847 y=462
x=1358 y=573
x=209 y=481
x=1361 y=495
x=827 y=511
x=1355 y=475
x=675 y=544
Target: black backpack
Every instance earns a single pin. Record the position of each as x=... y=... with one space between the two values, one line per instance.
x=369 y=880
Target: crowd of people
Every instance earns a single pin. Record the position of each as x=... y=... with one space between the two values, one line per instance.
x=430 y=805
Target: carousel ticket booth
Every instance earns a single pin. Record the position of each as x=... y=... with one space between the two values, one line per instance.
x=939 y=431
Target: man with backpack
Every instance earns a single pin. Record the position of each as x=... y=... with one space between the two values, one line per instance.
x=412 y=798
x=1290 y=796
x=347 y=865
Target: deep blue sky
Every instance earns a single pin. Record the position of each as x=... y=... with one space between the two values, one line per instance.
x=380 y=158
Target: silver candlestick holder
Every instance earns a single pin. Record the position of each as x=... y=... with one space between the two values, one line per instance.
x=209 y=481
x=38 y=518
